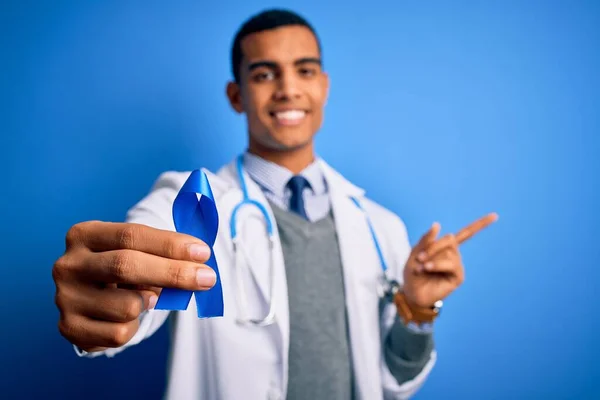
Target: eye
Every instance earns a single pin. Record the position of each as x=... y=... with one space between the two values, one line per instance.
x=263 y=76
x=307 y=71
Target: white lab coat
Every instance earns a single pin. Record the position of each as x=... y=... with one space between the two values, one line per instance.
x=218 y=359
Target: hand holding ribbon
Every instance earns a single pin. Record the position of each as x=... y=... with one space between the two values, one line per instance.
x=195 y=213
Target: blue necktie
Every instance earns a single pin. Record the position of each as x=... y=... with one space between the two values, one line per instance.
x=297 y=184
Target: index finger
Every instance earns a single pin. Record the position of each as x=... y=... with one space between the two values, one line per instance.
x=132 y=267
x=107 y=236
x=470 y=230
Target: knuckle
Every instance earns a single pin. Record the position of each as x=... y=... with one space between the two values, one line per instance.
x=127 y=236
x=120 y=335
x=132 y=309
x=172 y=249
x=66 y=327
x=179 y=275
x=63 y=328
x=74 y=234
x=120 y=265
x=61 y=268
x=58 y=272
x=78 y=232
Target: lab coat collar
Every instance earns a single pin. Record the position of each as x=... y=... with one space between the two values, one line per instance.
x=227 y=178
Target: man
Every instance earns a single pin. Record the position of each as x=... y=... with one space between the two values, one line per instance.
x=333 y=338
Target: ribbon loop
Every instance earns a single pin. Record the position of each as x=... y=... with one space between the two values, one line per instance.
x=196 y=216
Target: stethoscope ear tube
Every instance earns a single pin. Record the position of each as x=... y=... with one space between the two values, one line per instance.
x=241 y=296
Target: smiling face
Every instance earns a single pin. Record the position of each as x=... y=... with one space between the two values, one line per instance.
x=282 y=89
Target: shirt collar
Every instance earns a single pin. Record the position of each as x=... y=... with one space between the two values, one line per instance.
x=274 y=178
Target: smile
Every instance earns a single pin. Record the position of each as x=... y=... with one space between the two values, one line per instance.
x=289 y=117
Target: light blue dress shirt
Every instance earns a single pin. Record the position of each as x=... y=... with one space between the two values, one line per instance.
x=273 y=178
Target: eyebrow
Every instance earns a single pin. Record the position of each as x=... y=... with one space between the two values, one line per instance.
x=273 y=64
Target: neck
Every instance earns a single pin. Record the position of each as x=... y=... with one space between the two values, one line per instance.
x=295 y=160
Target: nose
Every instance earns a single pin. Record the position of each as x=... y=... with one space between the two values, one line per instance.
x=287 y=87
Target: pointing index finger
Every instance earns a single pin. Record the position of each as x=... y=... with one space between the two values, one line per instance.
x=470 y=230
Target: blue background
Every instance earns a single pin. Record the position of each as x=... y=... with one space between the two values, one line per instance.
x=440 y=110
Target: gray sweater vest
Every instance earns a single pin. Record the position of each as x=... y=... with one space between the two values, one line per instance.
x=320 y=363
x=319 y=356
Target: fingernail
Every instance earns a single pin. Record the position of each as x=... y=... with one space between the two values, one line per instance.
x=421 y=256
x=206 y=277
x=199 y=252
x=428 y=265
x=152 y=302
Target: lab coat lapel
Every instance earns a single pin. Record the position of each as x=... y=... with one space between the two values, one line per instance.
x=259 y=269
x=263 y=280
x=360 y=266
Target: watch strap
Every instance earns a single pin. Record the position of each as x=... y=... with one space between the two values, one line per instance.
x=413 y=313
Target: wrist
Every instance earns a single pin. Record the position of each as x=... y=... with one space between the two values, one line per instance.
x=410 y=313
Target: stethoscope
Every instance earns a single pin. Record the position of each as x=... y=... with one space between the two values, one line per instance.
x=386 y=289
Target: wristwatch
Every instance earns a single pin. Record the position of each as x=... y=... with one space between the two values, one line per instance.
x=410 y=312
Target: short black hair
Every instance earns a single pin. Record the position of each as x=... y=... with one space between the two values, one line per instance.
x=265 y=20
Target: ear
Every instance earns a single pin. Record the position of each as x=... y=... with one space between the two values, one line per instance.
x=235 y=97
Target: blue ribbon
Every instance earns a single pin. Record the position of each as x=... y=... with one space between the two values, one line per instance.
x=198 y=218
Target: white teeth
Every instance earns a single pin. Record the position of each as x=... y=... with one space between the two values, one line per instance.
x=290 y=115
